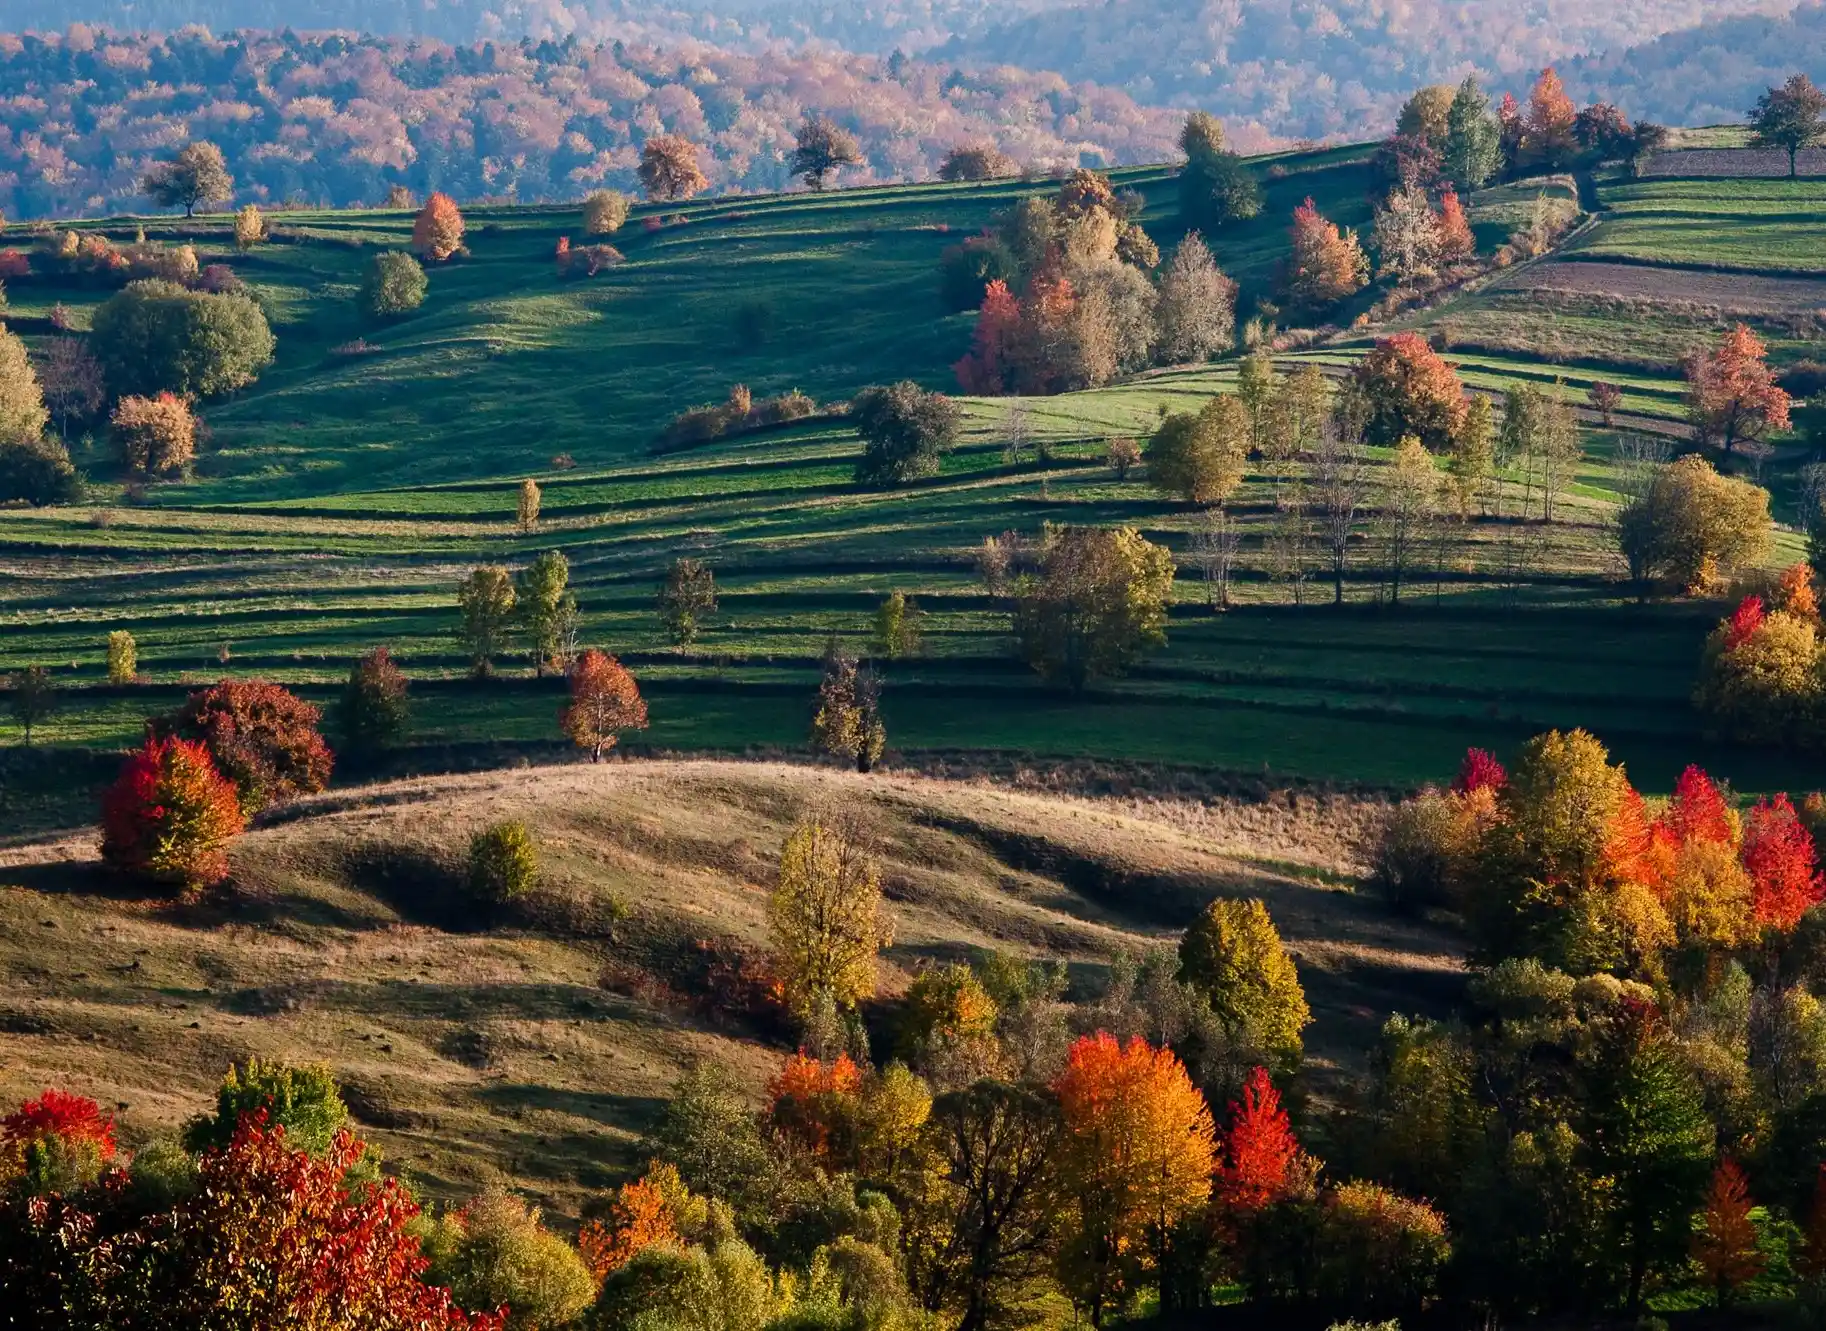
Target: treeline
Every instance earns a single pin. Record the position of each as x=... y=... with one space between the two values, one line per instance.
x=339 y=120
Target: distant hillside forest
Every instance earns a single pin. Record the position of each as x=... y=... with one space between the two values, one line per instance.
x=339 y=120
x=1272 y=69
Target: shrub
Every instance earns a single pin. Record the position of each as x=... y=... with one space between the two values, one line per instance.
x=1379 y=1250
x=250 y=227
x=123 y=657
x=394 y=284
x=38 y=471
x=904 y=431
x=305 y=1101
x=261 y=737
x=155 y=436
x=374 y=709
x=503 y=863
x=170 y=816
x=783 y=408
x=154 y=336
x=977 y=162
x=604 y=212
x=494 y=1252
x=1426 y=847
x=437 y=232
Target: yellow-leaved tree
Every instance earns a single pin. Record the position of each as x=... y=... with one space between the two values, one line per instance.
x=826 y=916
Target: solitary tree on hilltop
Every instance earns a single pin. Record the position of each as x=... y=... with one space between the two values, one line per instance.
x=668 y=167
x=1790 y=117
x=437 y=233
x=822 y=146
x=605 y=701
x=198 y=174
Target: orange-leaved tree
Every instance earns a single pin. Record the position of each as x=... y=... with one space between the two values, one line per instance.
x=1138 y=1154
x=170 y=816
x=993 y=346
x=605 y=700
x=437 y=233
x=1547 y=135
x=815 y=1101
x=640 y=1217
x=1327 y=264
x=1408 y=389
x=1725 y=1246
x=1455 y=238
x=261 y=736
x=1732 y=394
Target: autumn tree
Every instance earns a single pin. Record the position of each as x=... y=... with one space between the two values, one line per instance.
x=643 y=1214
x=196 y=175
x=1197 y=306
x=170 y=815
x=905 y=430
x=1472 y=152
x=821 y=147
x=486 y=600
x=250 y=227
x=1427 y=113
x=374 y=709
x=1731 y=393
x=669 y=168
x=1547 y=135
x=1407 y=236
x=1327 y=265
x=123 y=658
x=1259 y=1150
x=32 y=698
x=495 y=1252
x=261 y=737
x=990 y=364
x=1791 y=117
x=1098 y=601
x=547 y=610
x=847 y=722
x=75 y=389
x=825 y=917
x=1138 y=1154
x=1471 y=463
x=897 y=621
x=437 y=231
x=1455 y=240
x=1233 y=956
x=155 y=336
x=1692 y=526
x=155 y=436
x=686 y=597
x=605 y=701
x=22 y=411
x=1605 y=398
x=1408 y=390
x=1778 y=855
x=393 y=284
x=1200 y=458
x=1410 y=493
x=977 y=162
x=604 y=212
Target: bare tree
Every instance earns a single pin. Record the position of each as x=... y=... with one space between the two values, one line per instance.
x=1289 y=544
x=1410 y=496
x=1215 y=542
x=1340 y=483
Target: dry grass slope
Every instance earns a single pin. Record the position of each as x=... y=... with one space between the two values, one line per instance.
x=532 y=1048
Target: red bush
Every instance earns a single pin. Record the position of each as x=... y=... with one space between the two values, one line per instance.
x=170 y=816
x=14 y=264
x=262 y=737
x=59 y=1114
x=1479 y=769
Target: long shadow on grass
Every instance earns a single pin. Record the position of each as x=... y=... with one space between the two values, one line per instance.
x=631 y=1113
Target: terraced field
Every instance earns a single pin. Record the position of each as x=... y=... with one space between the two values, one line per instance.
x=344 y=497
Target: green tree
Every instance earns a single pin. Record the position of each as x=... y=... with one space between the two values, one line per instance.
x=1216 y=186
x=1648 y=1138
x=1098 y=602
x=155 y=336
x=1471 y=463
x=897 y=623
x=1790 y=117
x=1256 y=382
x=494 y=1252
x=34 y=698
x=548 y=610
x=685 y=598
x=848 y=722
x=1234 y=957
x=1410 y=496
x=821 y=146
x=39 y=472
x=905 y=430
x=393 y=284
x=197 y=174
x=486 y=600
x=825 y=917
x=1473 y=145
x=374 y=710
x=22 y=413
x=1200 y=458
x=305 y=1101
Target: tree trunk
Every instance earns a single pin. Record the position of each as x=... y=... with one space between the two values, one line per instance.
x=1793 y=150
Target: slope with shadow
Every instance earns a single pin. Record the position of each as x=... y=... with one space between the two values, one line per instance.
x=533 y=1045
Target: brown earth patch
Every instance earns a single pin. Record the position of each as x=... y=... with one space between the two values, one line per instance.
x=1683 y=287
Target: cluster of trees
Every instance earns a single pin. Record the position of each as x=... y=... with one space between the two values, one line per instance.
x=333 y=119
x=1065 y=298
x=1644 y=1036
x=1763 y=673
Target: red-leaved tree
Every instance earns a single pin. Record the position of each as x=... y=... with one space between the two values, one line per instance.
x=1258 y=1148
x=605 y=701
x=1744 y=622
x=986 y=368
x=1778 y=852
x=1327 y=264
x=262 y=737
x=170 y=816
x=1725 y=1246
x=1698 y=812
x=1479 y=771
x=1731 y=392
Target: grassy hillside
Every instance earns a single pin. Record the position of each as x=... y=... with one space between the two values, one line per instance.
x=532 y=1049
x=345 y=495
